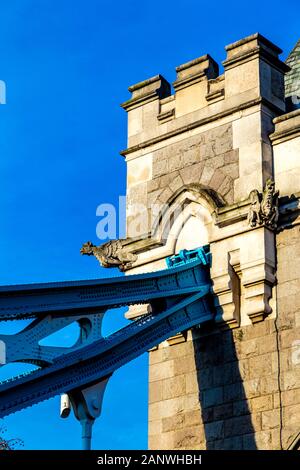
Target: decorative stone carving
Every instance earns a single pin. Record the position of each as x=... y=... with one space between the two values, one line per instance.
x=254 y=215
x=111 y=254
x=264 y=207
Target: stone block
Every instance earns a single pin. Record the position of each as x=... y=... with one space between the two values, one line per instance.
x=252 y=388
x=192 y=384
x=163 y=441
x=234 y=392
x=183 y=365
x=217 y=179
x=263 y=403
x=160 y=371
x=139 y=170
x=291 y=415
x=192 y=417
x=165 y=195
x=153 y=185
x=223 y=374
x=269 y=384
x=257 y=330
x=192 y=173
x=159 y=355
x=260 y=366
x=160 y=167
x=212 y=397
x=155 y=427
x=232 y=156
x=175 y=163
x=288 y=337
x=290 y=397
x=223 y=411
x=205 y=377
x=249 y=348
x=270 y=419
x=207 y=415
x=263 y=440
x=240 y=407
x=189 y=437
x=231 y=170
x=176 y=184
x=190 y=156
x=267 y=344
x=242 y=369
x=238 y=426
x=214 y=431
x=233 y=443
x=291 y=379
x=166 y=408
x=155 y=391
x=207 y=175
x=173 y=387
x=226 y=186
x=173 y=422
x=183 y=349
x=191 y=402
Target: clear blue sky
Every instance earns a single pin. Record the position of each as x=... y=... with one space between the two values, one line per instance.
x=67 y=65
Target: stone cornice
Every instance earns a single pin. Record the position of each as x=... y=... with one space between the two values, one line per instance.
x=287 y=127
x=201 y=122
x=253 y=37
x=148 y=90
x=254 y=54
x=188 y=81
x=196 y=70
x=228 y=215
x=254 y=47
x=289 y=210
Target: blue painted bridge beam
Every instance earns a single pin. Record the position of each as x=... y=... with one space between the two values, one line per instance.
x=92 y=296
x=179 y=297
x=91 y=363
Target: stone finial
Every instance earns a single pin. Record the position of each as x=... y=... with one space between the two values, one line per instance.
x=143 y=92
x=243 y=49
x=195 y=70
x=111 y=254
x=264 y=206
x=253 y=69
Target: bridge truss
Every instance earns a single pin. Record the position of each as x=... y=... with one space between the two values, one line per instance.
x=179 y=299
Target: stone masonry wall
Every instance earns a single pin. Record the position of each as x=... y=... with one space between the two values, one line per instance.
x=207 y=159
x=212 y=146
x=234 y=389
x=288 y=303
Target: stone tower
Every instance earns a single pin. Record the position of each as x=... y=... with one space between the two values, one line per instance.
x=204 y=166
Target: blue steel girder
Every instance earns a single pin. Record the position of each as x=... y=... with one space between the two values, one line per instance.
x=180 y=300
x=24 y=346
x=92 y=296
x=94 y=362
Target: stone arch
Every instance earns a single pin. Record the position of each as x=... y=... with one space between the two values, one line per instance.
x=214 y=180
x=192 y=206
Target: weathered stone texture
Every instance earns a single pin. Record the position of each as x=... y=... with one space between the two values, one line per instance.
x=233 y=382
x=207 y=159
x=217 y=137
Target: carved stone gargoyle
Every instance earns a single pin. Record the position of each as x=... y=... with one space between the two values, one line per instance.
x=111 y=254
x=264 y=206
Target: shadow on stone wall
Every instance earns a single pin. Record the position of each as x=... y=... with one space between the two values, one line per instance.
x=225 y=413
